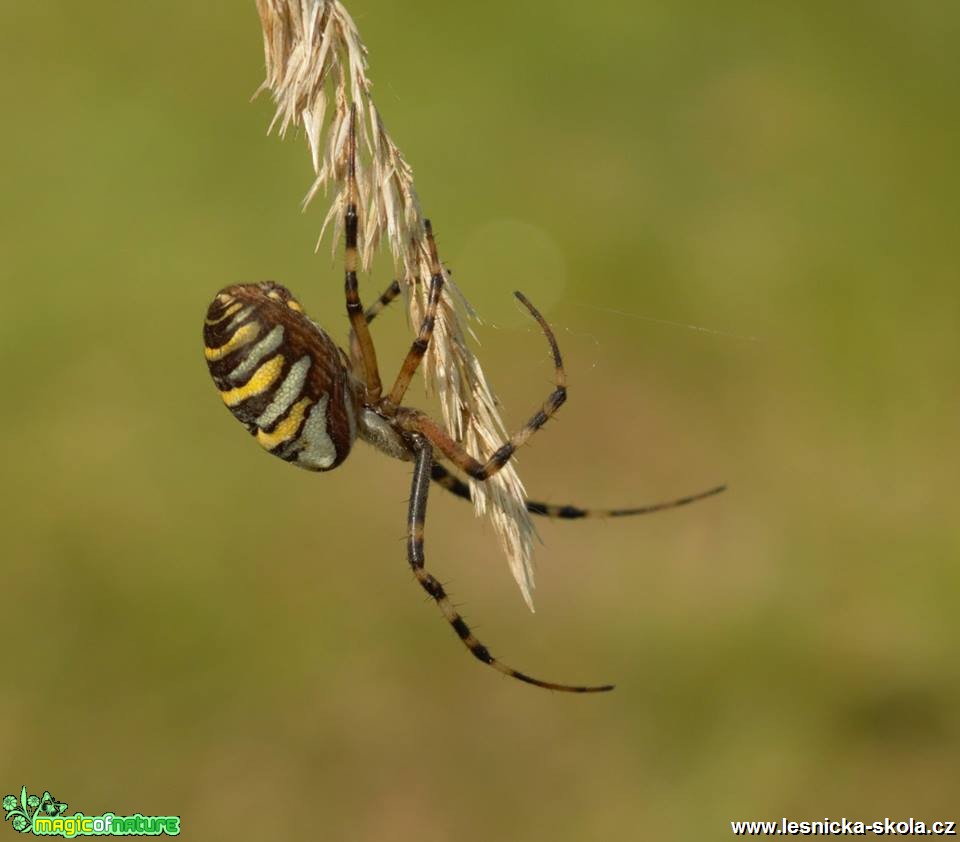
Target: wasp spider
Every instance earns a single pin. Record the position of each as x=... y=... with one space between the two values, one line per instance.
x=307 y=401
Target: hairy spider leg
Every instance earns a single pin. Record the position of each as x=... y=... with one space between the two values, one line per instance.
x=419 y=346
x=358 y=320
x=384 y=301
x=445 y=479
x=416 y=520
x=417 y=422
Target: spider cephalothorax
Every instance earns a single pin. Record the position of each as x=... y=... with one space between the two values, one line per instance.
x=307 y=401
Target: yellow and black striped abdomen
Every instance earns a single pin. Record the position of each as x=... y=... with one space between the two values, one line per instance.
x=280 y=375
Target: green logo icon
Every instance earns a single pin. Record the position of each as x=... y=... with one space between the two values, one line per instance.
x=44 y=815
x=22 y=811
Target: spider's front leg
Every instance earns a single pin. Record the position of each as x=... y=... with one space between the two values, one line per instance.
x=417 y=422
x=358 y=319
x=423 y=462
x=384 y=301
x=419 y=347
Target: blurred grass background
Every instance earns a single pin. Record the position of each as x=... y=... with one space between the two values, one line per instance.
x=194 y=628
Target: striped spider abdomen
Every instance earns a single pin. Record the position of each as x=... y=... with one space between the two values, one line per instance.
x=281 y=375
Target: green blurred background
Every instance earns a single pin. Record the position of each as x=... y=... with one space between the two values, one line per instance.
x=191 y=627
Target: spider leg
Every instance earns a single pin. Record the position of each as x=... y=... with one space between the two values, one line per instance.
x=447 y=480
x=358 y=321
x=423 y=459
x=389 y=294
x=374 y=310
x=419 y=347
x=416 y=422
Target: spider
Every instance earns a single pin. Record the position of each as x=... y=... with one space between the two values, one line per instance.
x=306 y=401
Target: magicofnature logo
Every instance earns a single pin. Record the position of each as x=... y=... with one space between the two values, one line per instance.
x=43 y=815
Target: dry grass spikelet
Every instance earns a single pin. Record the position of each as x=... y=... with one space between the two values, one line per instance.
x=316 y=71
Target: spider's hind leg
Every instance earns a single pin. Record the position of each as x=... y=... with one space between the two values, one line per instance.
x=442 y=477
x=416 y=520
